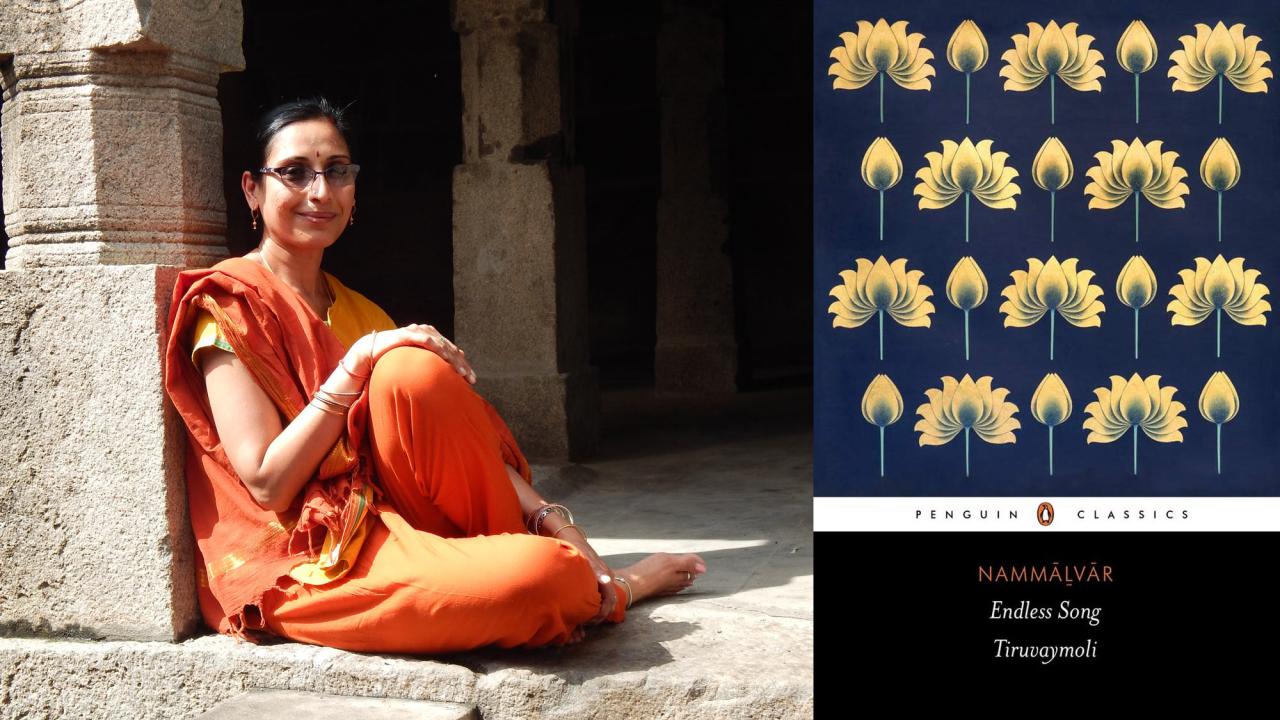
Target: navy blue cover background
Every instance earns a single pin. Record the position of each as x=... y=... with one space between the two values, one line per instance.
x=845 y=218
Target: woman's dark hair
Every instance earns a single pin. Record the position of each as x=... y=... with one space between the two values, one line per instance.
x=288 y=113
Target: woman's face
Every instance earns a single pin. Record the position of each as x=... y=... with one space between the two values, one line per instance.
x=310 y=218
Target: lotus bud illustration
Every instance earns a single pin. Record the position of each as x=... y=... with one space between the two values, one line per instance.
x=1053 y=288
x=1051 y=406
x=1136 y=53
x=1136 y=288
x=882 y=49
x=1220 y=53
x=1052 y=170
x=966 y=406
x=1217 y=286
x=1052 y=52
x=1133 y=169
x=967 y=169
x=1220 y=171
x=874 y=289
x=881 y=170
x=1135 y=403
x=967 y=53
x=882 y=407
x=966 y=289
x=1219 y=404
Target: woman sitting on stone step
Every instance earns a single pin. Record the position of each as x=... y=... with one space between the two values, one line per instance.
x=347 y=486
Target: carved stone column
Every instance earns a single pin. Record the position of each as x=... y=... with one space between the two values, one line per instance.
x=112 y=176
x=518 y=230
x=696 y=353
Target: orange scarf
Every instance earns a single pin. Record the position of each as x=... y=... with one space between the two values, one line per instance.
x=246 y=550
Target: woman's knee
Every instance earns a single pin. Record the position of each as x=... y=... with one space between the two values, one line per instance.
x=415 y=369
x=546 y=570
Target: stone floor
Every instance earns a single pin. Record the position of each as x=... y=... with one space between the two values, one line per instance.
x=731 y=481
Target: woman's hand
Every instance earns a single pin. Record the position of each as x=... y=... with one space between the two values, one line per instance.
x=424 y=336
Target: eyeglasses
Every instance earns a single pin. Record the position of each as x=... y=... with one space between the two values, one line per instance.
x=300 y=177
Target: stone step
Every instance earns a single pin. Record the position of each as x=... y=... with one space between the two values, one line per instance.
x=319 y=706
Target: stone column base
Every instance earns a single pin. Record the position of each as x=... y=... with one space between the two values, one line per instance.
x=552 y=416
x=95 y=537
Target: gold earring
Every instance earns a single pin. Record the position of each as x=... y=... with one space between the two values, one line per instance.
x=254 y=225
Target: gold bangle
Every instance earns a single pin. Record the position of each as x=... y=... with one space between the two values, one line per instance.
x=323 y=408
x=327 y=399
x=626 y=586
x=343 y=364
x=566 y=526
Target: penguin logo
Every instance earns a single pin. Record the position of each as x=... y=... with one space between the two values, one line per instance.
x=1044 y=514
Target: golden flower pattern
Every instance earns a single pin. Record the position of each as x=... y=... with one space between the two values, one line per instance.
x=1220 y=53
x=1219 y=403
x=1051 y=406
x=1132 y=168
x=967 y=405
x=881 y=49
x=879 y=288
x=1135 y=403
x=882 y=287
x=881 y=170
x=966 y=289
x=882 y=406
x=967 y=169
x=1136 y=288
x=967 y=53
x=1220 y=171
x=1052 y=170
x=1052 y=52
x=1136 y=53
x=1214 y=287
x=1054 y=288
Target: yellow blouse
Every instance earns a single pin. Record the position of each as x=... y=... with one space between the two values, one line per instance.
x=351 y=317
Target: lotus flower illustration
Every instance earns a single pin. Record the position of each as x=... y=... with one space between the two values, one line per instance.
x=1219 y=404
x=967 y=169
x=966 y=406
x=879 y=288
x=882 y=407
x=1220 y=171
x=1136 y=288
x=1052 y=52
x=1217 y=286
x=1220 y=53
x=966 y=289
x=1051 y=406
x=1052 y=170
x=881 y=170
x=1136 y=403
x=1054 y=288
x=1136 y=53
x=1133 y=168
x=882 y=49
x=967 y=53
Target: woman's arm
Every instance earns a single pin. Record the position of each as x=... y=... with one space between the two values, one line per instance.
x=275 y=462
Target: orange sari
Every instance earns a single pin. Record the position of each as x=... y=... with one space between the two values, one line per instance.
x=436 y=564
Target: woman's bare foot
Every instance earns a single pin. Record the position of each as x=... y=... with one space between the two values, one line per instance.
x=661 y=574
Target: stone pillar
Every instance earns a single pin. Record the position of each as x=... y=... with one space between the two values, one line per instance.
x=696 y=353
x=519 y=248
x=112 y=176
